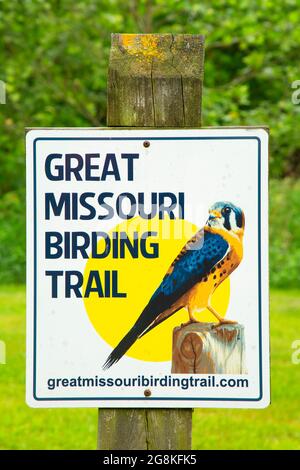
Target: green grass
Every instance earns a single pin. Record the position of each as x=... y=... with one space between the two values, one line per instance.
x=20 y=426
x=276 y=427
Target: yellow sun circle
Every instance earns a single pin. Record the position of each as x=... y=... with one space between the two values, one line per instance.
x=138 y=278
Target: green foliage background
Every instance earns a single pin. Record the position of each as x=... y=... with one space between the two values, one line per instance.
x=53 y=59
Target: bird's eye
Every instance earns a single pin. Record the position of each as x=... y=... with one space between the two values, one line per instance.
x=226 y=210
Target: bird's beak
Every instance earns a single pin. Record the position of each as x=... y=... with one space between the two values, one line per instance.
x=213 y=215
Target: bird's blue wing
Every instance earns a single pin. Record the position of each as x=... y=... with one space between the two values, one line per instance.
x=194 y=263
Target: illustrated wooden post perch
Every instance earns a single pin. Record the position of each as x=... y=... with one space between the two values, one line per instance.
x=154 y=80
x=203 y=348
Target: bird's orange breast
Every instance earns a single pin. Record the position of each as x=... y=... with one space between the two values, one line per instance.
x=198 y=297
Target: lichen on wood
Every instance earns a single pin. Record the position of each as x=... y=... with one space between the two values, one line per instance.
x=155 y=80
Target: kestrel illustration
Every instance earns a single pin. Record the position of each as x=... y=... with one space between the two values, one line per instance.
x=206 y=260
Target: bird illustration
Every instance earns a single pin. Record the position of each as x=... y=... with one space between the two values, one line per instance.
x=206 y=260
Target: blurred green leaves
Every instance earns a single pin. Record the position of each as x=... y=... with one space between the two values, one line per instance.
x=285 y=233
x=54 y=57
x=12 y=237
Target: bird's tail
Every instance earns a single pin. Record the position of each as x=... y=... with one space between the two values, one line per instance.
x=122 y=347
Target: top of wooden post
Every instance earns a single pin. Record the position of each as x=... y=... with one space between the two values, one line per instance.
x=155 y=80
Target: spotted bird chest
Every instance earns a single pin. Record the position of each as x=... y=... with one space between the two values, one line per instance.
x=198 y=297
x=224 y=268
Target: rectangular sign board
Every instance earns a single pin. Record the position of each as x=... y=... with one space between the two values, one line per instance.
x=147 y=268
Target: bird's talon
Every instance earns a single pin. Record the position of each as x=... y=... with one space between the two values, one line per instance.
x=189 y=323
x=225 y=322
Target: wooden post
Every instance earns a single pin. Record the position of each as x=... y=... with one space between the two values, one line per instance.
x=203 y=348
x=154 y=80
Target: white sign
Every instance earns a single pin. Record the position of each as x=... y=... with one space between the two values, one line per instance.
x=131 y=234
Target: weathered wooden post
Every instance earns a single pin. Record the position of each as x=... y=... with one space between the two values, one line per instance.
x=204 y=348
x=154 y=80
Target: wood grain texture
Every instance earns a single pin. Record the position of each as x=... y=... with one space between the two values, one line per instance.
x=144 y=429
x=169 y=429
x=153 y=81
x=203 y=348
x=123 y=429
